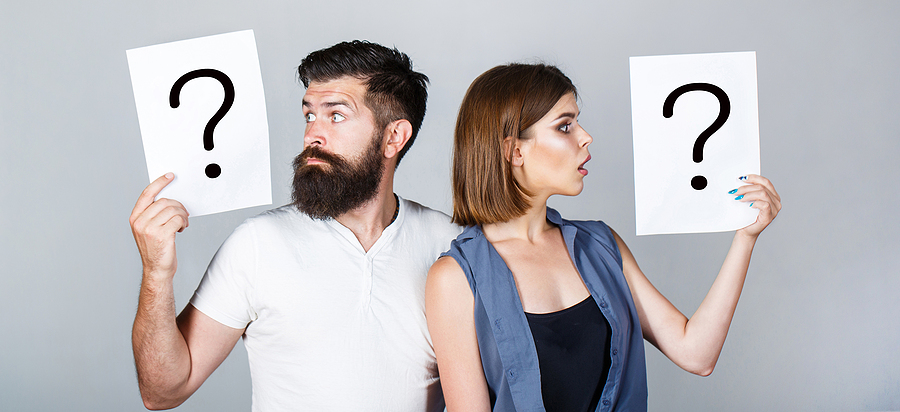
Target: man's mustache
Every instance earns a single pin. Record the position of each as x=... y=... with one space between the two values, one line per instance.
x=317 y=153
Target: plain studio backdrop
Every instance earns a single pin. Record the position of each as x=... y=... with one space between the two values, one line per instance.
x=818 y=325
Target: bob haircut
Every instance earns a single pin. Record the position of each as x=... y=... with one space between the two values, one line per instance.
x=503 y=102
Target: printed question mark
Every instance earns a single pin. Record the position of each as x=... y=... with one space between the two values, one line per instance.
x=212 y=170
x=699 y=182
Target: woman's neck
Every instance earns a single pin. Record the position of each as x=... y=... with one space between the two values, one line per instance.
x=527 y=227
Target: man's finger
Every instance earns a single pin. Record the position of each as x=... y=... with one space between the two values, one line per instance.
x=161 y=211
x=150 y=192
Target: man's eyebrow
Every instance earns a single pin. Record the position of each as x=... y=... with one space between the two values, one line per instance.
x=338 y=102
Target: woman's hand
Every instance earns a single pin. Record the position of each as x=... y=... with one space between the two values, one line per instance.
x=761 y=195
x=696 y=343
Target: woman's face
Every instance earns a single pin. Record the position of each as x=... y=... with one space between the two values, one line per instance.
x=552 y=155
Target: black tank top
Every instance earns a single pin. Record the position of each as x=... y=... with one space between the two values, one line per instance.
x=573 y=354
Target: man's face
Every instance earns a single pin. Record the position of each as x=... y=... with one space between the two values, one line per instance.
x=341 y=165
x=337 y=119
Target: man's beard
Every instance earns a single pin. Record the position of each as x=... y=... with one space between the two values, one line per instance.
x=326 y=191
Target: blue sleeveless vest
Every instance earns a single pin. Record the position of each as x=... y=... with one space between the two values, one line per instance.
x=508 y=354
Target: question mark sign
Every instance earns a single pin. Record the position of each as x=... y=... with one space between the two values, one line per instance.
x=699 y=182
x=212 y=170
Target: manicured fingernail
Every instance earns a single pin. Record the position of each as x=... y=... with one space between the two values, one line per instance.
x=742 y=178
x=732 y=192
x=170 y=175
x=751 y=204
x=739 y=197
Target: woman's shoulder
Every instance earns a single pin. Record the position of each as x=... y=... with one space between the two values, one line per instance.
x=597 y=231
x=595 y=227
x=446 y=276
x=445 y=266
x=469 y=234
x=456 y=263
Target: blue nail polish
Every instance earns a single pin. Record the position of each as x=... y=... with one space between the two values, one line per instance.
x=739 y=197
x=751 y=204
x=732 y=192
x=742 y=178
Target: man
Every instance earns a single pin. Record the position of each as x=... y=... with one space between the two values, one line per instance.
x=328 y=292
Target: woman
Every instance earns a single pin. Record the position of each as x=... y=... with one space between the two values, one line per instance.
x=532 y=312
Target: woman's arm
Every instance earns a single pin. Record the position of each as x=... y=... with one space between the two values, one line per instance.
x=449 y=309
x=694 y=344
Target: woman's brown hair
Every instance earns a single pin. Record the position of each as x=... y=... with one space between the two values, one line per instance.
x=503 y=102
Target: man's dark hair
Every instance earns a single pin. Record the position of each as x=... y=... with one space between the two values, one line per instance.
x=393 y=90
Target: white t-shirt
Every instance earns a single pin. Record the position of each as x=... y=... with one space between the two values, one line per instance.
x=330 y=327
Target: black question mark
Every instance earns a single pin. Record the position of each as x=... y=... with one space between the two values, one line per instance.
x=212 y=170
x=699 y=182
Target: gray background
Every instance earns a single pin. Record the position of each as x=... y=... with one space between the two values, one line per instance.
x=817 y=329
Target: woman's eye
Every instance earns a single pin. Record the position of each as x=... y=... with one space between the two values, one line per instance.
x=565 y=128
x=337 y=117
x=310 y=118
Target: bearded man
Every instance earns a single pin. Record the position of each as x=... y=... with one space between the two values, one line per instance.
x=327 y=292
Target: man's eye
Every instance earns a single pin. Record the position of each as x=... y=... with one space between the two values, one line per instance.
x=310 y=118
x=337 y=117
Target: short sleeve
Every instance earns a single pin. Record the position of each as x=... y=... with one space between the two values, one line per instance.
x=224 y=293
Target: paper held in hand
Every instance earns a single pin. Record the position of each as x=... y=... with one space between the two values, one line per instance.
x=696 y=130
x=202 y=116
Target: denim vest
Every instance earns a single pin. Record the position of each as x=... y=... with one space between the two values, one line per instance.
x=508 y=354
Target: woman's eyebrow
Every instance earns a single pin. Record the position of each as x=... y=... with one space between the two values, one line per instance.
x=573 y=115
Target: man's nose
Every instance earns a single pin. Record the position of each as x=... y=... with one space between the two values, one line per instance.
x=315 y=134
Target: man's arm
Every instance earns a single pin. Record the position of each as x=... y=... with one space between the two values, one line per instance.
x=173 y=356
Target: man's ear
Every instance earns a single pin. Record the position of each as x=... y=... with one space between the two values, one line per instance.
x=512 y=151
x=397 y=134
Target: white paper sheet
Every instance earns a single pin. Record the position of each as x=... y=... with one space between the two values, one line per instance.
x=174 y=137
x=664 y=166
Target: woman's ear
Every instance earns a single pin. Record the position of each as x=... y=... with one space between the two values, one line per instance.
x=512 y=151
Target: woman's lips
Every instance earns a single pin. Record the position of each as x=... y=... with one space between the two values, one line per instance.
x=581 y=168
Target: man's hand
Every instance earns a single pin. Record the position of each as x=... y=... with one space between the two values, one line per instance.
x=173 y=358
x=154 y=224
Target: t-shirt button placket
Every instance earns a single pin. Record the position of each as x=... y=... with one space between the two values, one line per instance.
x=368 y=277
